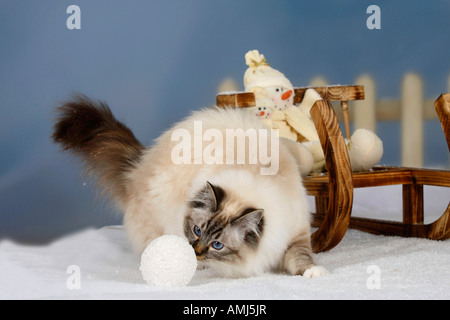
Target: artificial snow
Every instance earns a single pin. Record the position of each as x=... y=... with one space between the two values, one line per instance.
x=99 y=264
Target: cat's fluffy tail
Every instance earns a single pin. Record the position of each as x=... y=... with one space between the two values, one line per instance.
x=108 y=148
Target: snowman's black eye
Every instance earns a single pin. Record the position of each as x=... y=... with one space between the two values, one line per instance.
x=277 y=90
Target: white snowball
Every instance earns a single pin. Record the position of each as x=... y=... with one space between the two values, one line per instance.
x=168 y=261
x=365 y=151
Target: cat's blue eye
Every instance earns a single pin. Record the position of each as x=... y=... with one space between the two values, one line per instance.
x=197 y=231
x=217 y=245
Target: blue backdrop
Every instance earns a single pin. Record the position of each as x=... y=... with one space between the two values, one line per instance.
x=155 y=61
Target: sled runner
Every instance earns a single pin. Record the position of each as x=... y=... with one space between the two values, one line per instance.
x=333 y=190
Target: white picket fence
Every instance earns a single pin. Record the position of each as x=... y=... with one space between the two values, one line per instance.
x=411 y=110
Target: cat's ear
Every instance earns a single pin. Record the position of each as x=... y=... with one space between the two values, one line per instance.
x=251 y=220
x=209 y=197
x=216 y=195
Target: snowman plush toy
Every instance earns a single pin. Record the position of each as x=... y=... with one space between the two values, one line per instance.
x=274 y=97
x=263 y=112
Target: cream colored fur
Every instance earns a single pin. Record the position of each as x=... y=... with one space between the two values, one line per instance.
x=160 y=190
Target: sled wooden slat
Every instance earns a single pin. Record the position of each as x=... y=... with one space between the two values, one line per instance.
x=384 y=176
x=442 y=106
x=236 y=99
x=340 y=185
x=332 y=93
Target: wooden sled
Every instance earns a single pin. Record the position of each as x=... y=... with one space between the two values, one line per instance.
x=333 y=191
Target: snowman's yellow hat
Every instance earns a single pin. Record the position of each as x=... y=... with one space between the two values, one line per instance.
x=260 y=75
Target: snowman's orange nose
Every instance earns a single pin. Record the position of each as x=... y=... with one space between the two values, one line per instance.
x=286 y=95
x=261 y=113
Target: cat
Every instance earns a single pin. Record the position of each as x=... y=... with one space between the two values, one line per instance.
x=240 y=222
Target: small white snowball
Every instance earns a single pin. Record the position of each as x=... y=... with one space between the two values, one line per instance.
x=365 y=151
x=168 y=261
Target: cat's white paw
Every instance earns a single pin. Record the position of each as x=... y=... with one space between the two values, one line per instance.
x=315 y=271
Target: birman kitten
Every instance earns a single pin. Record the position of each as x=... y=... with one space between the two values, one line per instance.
x=219 y=179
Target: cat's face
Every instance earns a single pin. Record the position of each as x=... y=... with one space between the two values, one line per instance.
x=220 y=228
